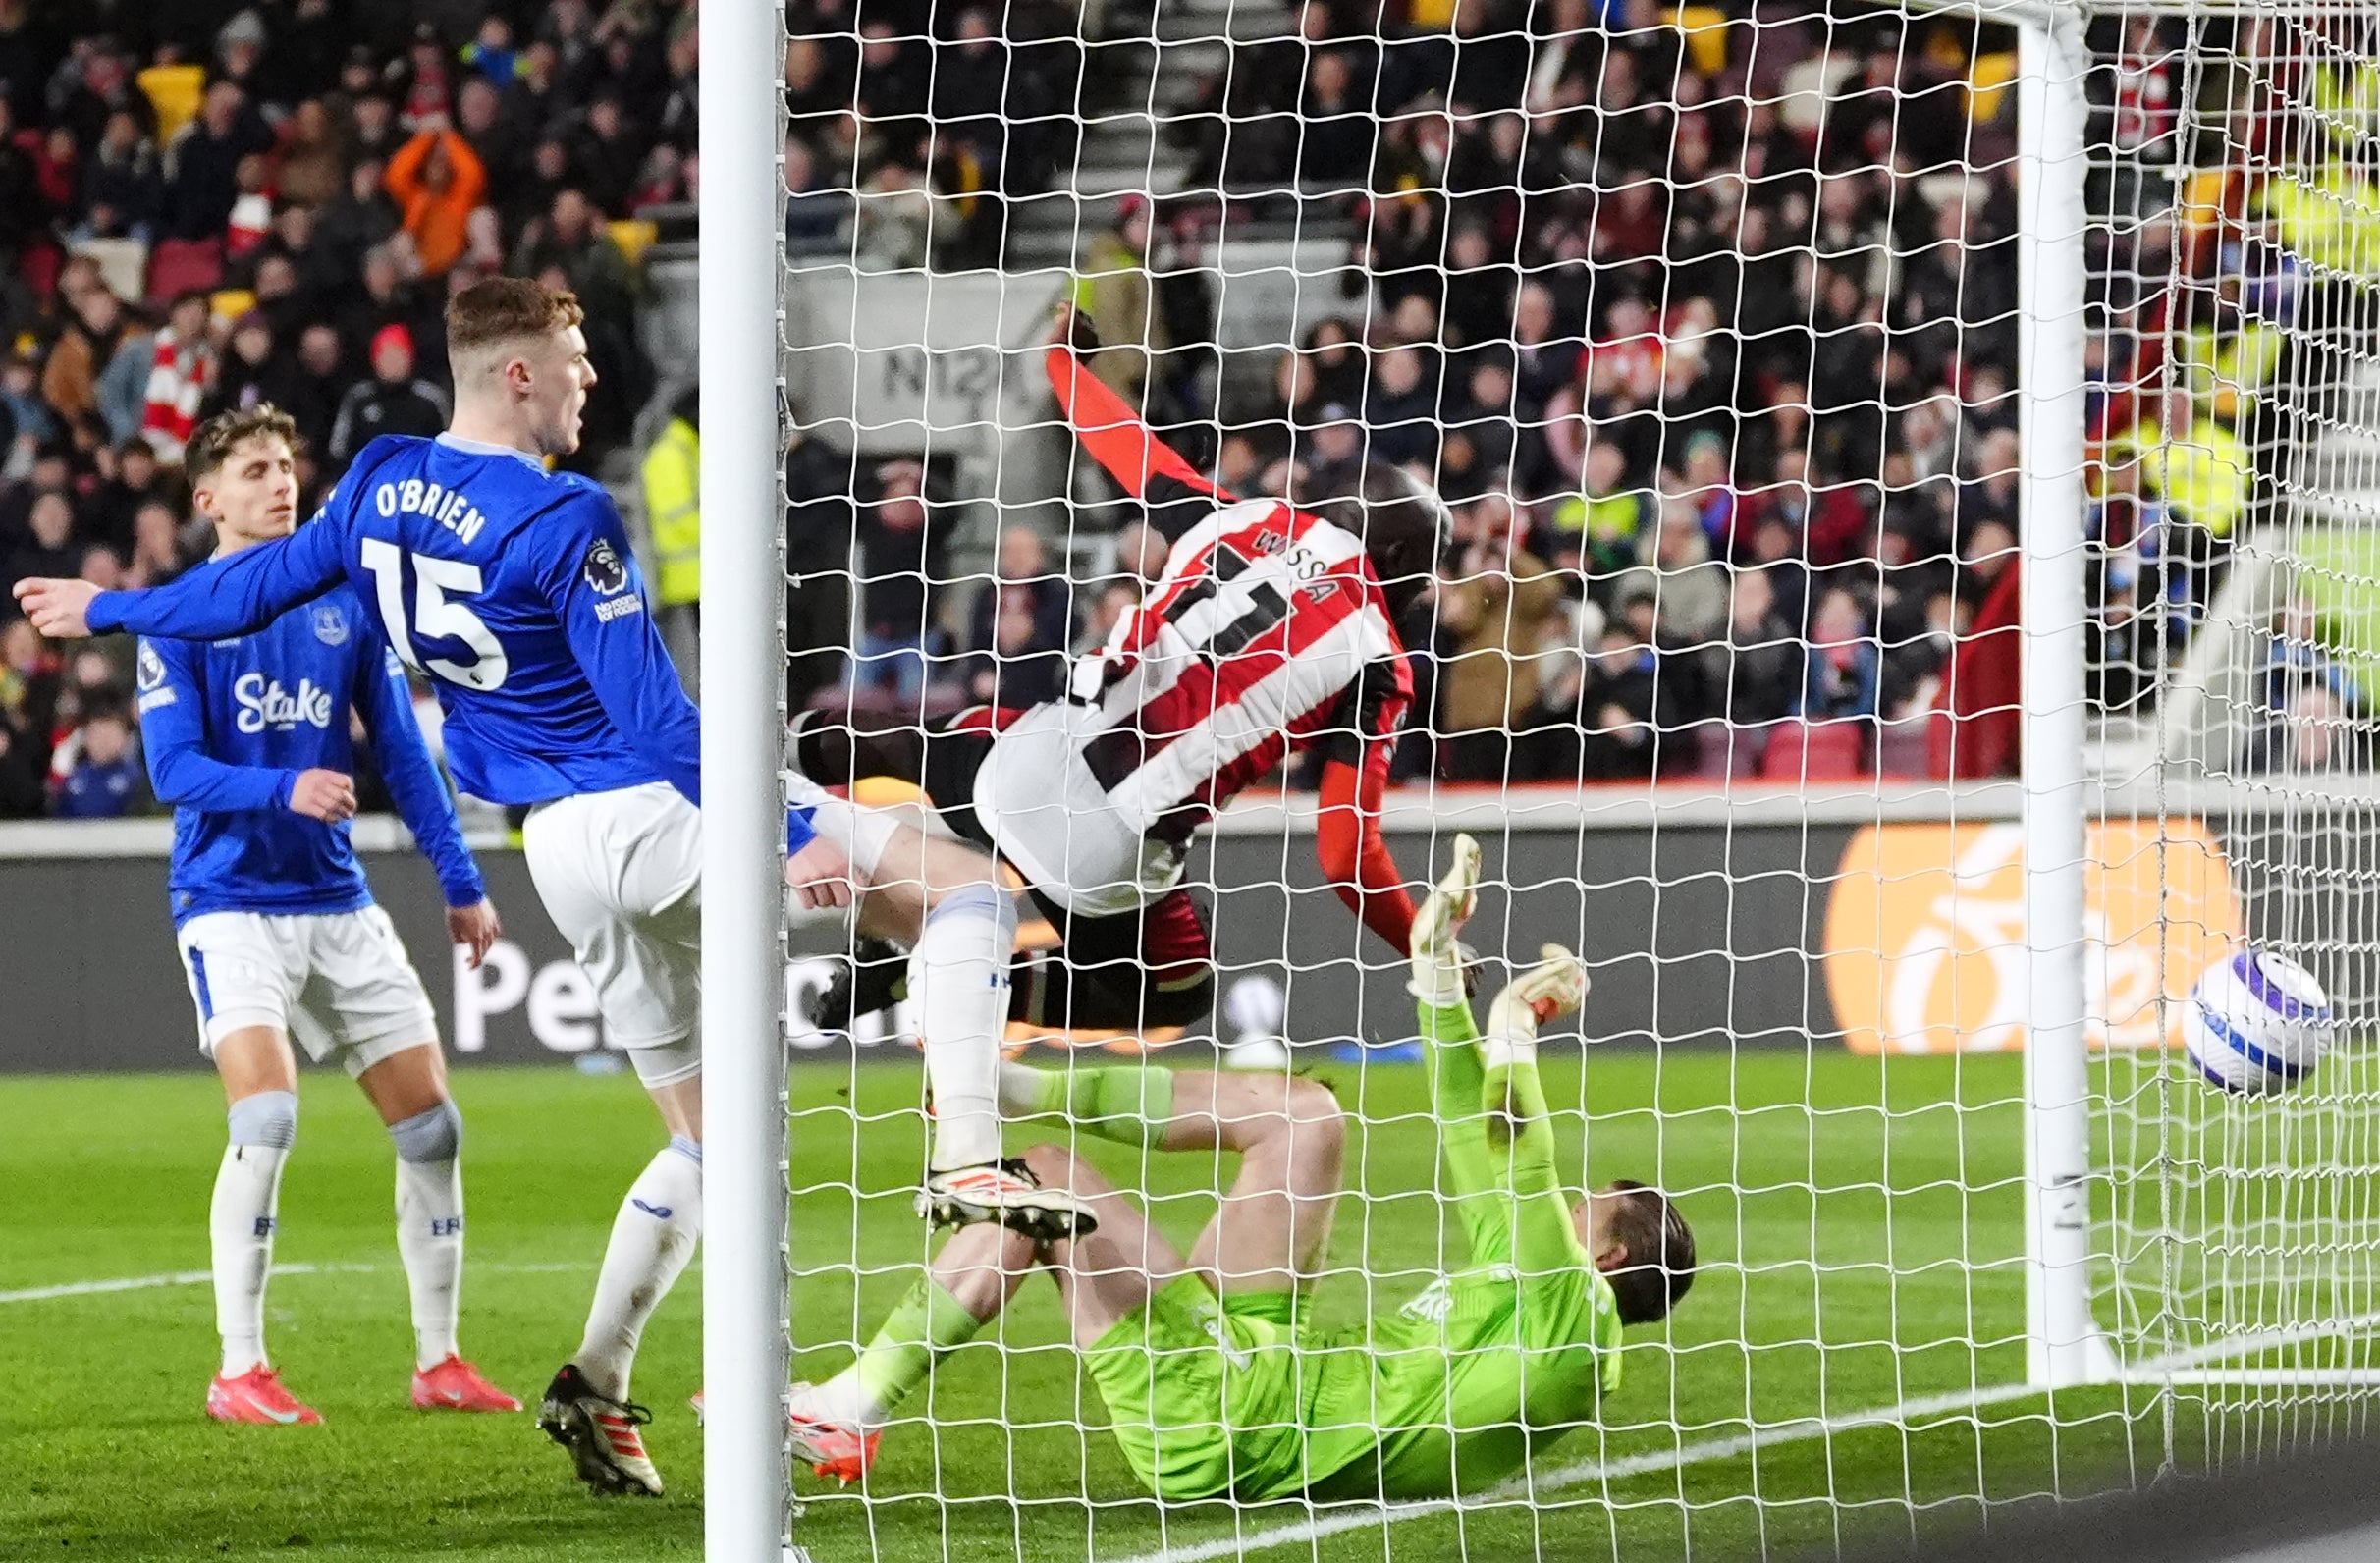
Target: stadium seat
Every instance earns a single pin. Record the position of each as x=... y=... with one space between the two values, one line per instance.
x=1817 y=751
x=39 y=266
x=1905 y=749
x=184 y=265
x=122 y=264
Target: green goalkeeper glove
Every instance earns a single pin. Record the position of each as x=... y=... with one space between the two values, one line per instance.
x=1441 y=962
x=1554 y=986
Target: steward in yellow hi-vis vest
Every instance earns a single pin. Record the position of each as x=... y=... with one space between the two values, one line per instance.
x=673 y=497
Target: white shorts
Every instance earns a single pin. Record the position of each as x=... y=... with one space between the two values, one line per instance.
x=862 y=833
x=621 y=873
x=338 y=984
x=1044 y=810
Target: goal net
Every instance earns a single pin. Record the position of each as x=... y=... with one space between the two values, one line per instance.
x=2235 y=484
x=1901 y=615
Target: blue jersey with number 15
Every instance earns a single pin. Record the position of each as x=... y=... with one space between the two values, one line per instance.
x=511 y=587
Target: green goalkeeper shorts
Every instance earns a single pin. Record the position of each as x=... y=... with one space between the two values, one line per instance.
x=1204 y=1399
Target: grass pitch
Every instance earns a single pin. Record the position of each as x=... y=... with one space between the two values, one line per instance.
x=1859 y=1219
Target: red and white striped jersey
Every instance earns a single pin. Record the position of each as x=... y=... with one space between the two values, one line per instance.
x=1266 y=634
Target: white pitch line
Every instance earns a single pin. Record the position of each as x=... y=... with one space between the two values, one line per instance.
x=1589 y=1471
x=145 y=1283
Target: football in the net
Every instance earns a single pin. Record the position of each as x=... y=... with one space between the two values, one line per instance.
x=2257 y=1023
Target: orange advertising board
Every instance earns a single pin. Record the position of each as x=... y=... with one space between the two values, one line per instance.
x=1926 y=934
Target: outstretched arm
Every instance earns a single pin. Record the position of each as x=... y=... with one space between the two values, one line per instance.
x=1353 y=856
x=1444 y=1003
x=1177 y=497
x=1347 y=840
x=1543 y=1239
x=1508 y=1193
x=234 y=596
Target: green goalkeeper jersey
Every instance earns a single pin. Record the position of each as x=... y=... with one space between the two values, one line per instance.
x=1450 y=1393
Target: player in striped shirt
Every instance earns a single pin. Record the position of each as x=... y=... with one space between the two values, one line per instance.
x=1216 y=1382
x=1271 y=631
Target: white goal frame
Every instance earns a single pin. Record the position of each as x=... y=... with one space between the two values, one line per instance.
x=745 y=1294
x=741 y=313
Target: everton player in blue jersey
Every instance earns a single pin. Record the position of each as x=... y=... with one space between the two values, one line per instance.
x=249 y=739
x=514 y=591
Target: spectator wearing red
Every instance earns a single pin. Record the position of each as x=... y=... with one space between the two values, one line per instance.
x=252 y=219
x=437 y=181
x=56 y=169
x=392 y=401
x=181 y=362
x=429 y=103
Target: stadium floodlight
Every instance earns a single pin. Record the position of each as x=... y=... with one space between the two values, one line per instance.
x=2152 y=230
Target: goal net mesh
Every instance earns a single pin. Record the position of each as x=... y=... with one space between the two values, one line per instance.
x=1704 y=323
x=2236 y=422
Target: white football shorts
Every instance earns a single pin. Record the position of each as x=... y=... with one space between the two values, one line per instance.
x=621 y=873
x=338 y=984
x=862 y=833
x=1044 y=810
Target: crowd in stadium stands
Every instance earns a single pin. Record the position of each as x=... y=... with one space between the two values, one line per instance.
x=214 y=203
x=1720 y=396
x=1715 y=366
x=2234 y=286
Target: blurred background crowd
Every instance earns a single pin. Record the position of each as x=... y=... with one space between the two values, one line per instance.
x=206 y=204
x=1703 y=320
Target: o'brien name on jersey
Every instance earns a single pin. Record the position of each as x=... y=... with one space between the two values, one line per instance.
x=451 y=508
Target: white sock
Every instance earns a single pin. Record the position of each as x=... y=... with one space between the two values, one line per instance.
x=958 y=976
x=430 y=1225
x=652 y=1239
x=242 y=1219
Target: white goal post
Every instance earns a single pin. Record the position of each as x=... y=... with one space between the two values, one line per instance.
x=2088 y=1182
x=744 y=1292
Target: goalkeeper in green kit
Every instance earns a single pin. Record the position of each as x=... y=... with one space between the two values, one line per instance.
x=1215 y=1383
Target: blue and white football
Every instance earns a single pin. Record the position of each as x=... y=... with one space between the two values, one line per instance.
x=2257 y=1023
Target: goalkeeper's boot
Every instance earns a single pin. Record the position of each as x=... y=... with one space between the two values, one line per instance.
x=455 y=1385
x=874 y=976
x=1008 y=1193
x=601 y=1434
x=257 y=1396
x=828 y=1447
